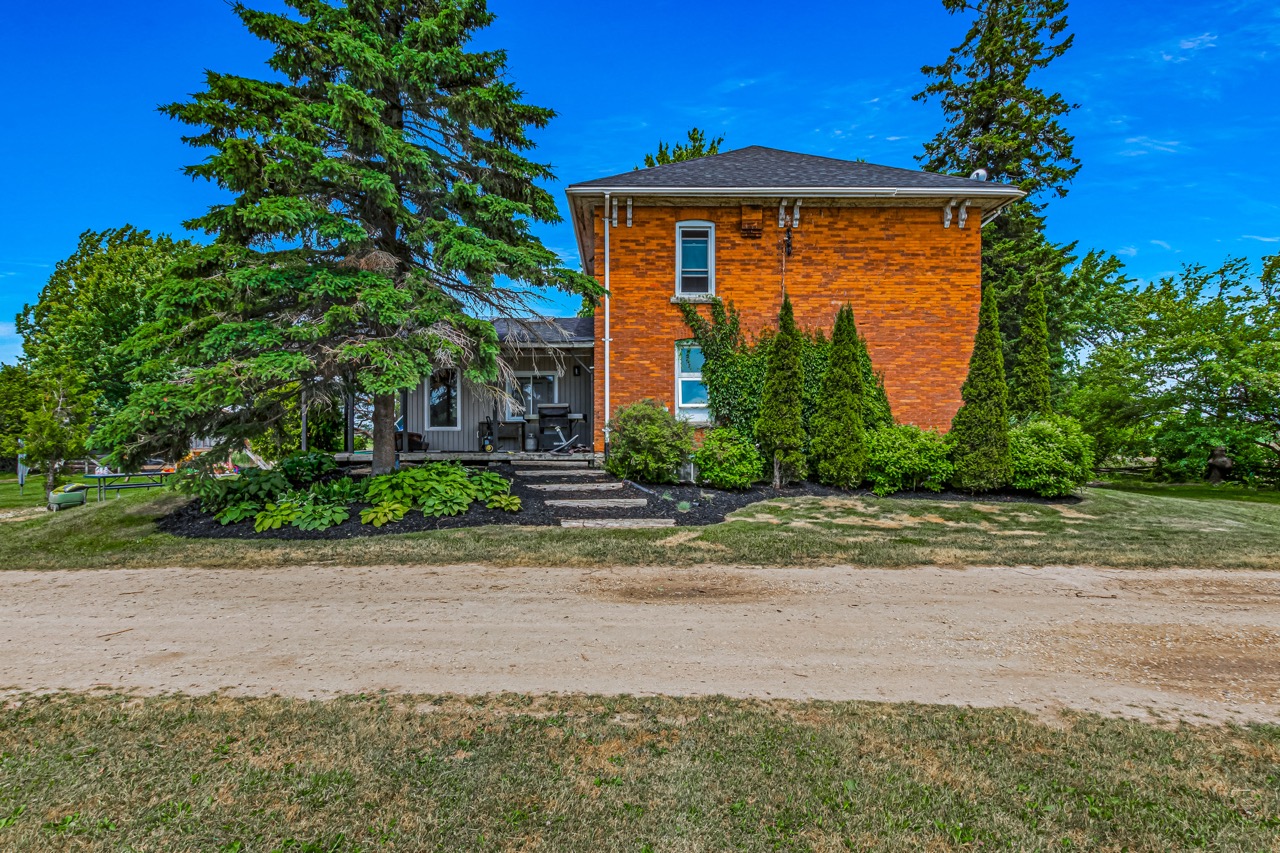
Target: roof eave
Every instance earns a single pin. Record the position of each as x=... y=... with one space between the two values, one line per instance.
x=805 y=192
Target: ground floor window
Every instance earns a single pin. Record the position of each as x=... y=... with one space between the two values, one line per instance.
x=691 y=394
x=530 y=391
x=442 y=400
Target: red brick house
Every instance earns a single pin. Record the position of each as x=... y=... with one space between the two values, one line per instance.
x=902 y=246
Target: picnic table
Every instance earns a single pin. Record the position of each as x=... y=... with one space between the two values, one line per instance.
x=119 y=482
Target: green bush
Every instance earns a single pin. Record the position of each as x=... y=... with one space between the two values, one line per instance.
x=907 y=457
x=837 y=434
x=780 y=428
x=303 y=469
x=979 y=437
x=728 y=460
x=648 y=444
x=1052 y=456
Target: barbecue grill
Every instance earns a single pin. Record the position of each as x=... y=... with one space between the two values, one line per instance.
x=556 y=427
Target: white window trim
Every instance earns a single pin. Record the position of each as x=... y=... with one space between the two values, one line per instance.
x=702 y=411
x=529 y=374
x=711 y=256
x=426 y=402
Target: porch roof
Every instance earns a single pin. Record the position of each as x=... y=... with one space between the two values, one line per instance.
x=555 y=332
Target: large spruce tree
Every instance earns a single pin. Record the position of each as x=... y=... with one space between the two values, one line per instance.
x=838 y=444
x=997 y=118
x=980 y=430
x=1029 y=388
x=780 y=427
x=380 y=199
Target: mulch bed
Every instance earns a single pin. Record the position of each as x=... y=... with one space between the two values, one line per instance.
x=703 y=506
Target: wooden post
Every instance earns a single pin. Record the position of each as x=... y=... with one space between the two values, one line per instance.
x=349 y=421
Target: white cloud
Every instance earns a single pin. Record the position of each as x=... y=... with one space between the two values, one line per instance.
x=894 y=138
x=1145 y=145
x=1161 y=243
x=1260 y=239
x=1199 y=42
x=1127 y=251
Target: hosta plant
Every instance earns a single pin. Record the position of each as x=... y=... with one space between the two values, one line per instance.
x=510 y=503
x=275 y=515
x=443 y=504
x=238 y=512
x=384 y=513
x=320 y=516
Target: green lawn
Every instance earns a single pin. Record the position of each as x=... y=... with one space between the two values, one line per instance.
x=1108 y=528
x=592 y=774
x=1195 y=491
x=11 y=497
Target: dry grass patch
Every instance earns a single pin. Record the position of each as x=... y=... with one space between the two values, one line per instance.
x=589 y=773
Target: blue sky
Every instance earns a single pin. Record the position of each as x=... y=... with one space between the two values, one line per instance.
x=1178 y=128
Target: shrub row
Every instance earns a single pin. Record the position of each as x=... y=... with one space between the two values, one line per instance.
x=1051 y=455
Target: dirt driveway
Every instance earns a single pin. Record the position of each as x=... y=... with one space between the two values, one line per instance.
x=1201 y=645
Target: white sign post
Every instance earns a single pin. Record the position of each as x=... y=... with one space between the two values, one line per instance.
x=22 y=472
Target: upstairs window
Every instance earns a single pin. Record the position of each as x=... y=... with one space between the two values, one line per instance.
x=695 y=259
x=691 y=394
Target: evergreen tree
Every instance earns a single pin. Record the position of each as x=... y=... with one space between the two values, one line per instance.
x=980 y=431
x=1029 y=381
x=380 y=196
x=838 y=448
x=697 y=146
x=876 y=412
x=995 y=118
x=780 y=428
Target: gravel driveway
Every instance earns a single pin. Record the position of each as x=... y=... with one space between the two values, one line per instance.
x=1193 y=644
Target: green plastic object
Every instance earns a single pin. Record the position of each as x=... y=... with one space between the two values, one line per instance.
x=66 y=496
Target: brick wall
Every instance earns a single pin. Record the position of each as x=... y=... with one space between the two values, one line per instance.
x=913 y=284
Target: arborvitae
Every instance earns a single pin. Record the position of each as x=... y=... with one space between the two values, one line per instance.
x=980 y=431
x=838 y=449
x=780 y=428
x=876 y=412
x=1029 y=380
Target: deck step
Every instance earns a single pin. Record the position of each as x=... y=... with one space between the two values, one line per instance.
x=549 y=463
x=599 y=503
x=578 y=487
x=560 y=472
x=633 y=523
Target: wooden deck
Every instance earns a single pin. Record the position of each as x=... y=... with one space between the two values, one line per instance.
x=478 y=457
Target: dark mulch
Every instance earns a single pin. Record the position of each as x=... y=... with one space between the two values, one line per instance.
x=690 y=506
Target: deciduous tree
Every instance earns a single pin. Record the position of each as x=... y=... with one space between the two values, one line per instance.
x=93 y=302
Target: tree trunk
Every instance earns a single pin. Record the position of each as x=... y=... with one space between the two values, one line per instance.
x=777 y=470
x=51 y=478
x=384 y=433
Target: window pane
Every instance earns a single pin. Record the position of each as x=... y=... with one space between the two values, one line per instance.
x=693 y=393
x=442 y=399
x=691 y=360
x=694 y=253
x=694 y=283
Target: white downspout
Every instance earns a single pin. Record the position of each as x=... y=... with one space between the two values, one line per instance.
x=608 y=332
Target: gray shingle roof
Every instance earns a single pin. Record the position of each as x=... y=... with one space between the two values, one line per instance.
x=549 y=330
x=757 y=166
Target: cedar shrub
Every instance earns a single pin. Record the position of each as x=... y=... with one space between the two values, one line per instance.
x=838 y=451
x=980 y=431
x=780 y=428
x=1029 y=381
